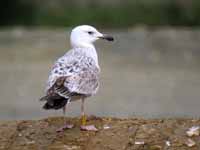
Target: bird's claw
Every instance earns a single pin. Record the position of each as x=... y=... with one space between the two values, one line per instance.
x=88 y=128
x=67 y=126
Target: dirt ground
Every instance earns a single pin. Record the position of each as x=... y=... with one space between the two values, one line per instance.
x=113 y=134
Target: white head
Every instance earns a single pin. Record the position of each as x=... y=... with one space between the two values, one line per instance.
x=85 y=36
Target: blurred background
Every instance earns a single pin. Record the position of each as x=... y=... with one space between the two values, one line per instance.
x=151 y=70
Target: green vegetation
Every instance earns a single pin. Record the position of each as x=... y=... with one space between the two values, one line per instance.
x=124 y=14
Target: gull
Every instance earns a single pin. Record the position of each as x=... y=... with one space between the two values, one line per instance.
x=75 y=75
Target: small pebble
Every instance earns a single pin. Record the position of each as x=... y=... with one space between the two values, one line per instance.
x=73 y=147
x=193 y=131
x=139 y=142
x=155 y=147
x=105 y=127
x=30 y=142
x=168 y=143
x=190 y=143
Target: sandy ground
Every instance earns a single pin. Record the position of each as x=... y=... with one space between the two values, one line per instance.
x=113 y=134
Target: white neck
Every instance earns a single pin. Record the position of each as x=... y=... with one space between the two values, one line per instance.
x=79 y=44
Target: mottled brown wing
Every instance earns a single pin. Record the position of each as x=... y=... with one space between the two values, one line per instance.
x=59 y=88
x=85 y=82
x=57 y=96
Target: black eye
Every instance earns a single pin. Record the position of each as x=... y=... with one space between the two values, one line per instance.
x=90 y=32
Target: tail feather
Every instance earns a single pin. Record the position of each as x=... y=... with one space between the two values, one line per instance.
x=44 y=98
x=54 y=102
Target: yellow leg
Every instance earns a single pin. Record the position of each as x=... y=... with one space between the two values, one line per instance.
x=83 y=118
x=83 y=126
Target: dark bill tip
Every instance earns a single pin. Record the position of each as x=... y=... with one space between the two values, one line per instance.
x=108 y=38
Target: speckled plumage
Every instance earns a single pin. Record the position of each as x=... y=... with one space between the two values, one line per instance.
x=80 y=70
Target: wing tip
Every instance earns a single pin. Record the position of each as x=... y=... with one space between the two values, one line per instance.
x=44 y=98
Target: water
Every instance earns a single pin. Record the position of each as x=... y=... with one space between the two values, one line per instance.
x=148 y=73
